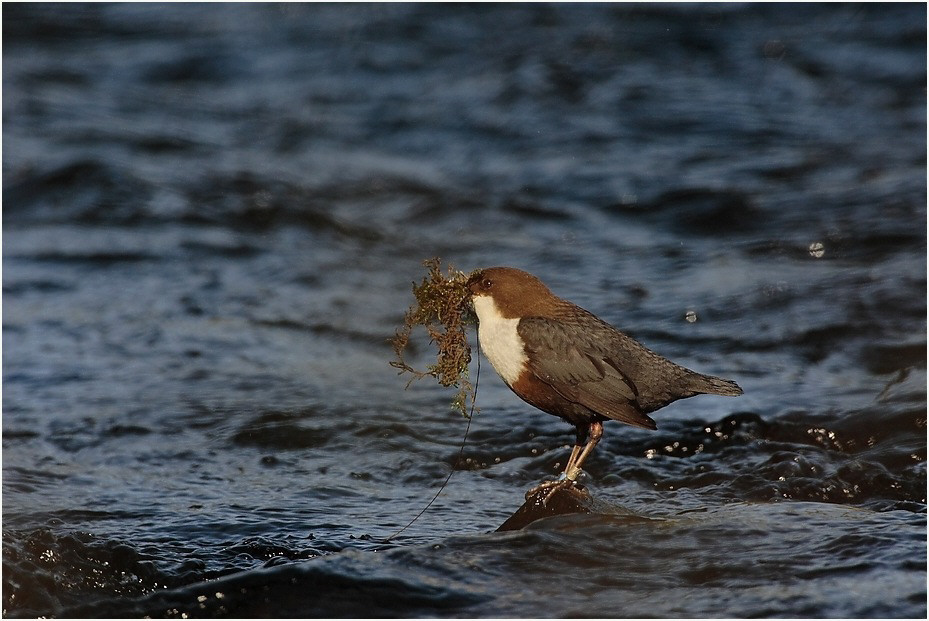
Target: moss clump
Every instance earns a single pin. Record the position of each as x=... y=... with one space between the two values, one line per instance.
x=442 y=308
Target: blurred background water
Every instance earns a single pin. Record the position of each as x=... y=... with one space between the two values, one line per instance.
x=212 y=215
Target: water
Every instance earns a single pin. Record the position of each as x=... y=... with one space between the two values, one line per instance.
x=211 y=219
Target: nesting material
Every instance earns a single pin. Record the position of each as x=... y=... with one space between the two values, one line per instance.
x=442 y=308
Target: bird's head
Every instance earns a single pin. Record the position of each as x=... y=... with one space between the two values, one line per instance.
x=515 y=293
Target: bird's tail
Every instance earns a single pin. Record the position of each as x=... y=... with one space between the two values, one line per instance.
x=709 y=385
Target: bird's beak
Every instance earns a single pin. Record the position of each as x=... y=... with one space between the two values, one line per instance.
x=473 y=281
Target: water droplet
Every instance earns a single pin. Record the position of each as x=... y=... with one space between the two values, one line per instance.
x=817 y=250
x=262 y=199
x=690 y=316
x=774 y=48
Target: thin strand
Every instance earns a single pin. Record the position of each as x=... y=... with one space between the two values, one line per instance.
x=464 y=440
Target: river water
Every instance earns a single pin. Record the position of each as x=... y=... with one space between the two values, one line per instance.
x=212 y=215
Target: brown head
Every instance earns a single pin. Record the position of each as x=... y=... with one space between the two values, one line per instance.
x=515 y=293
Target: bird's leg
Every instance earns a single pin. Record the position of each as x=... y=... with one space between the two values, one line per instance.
x=563 y=479
x=574 y=467
x=581 y=439
x=574 y=453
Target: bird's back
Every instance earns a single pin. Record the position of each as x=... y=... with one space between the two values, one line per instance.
x=655 y=380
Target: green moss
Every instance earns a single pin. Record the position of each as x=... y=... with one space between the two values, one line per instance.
x=442 y=309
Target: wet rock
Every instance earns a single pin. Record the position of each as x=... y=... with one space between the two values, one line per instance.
x=562 y=500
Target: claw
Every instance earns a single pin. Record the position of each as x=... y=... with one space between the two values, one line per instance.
x=541 y=486
x=549 y=488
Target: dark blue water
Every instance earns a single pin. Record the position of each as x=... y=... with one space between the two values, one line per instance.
x=211 y=218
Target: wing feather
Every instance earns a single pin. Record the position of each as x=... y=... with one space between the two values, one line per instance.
x=582 y=368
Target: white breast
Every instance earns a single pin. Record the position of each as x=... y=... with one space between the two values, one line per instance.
x=500 y=341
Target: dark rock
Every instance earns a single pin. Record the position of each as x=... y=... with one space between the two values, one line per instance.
x=562 y=500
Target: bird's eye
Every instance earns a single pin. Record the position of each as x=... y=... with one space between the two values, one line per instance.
x=487 y=283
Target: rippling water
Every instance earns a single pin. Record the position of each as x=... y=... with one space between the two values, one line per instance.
x=211 y=219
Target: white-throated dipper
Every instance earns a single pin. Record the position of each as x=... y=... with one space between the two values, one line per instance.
x=565 y=361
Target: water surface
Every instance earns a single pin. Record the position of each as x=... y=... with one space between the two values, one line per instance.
x=211 y=219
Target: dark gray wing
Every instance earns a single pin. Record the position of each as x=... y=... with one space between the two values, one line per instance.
x=577 y=358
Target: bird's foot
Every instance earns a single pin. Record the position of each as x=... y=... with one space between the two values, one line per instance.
x=542 y=486
x=548 y=488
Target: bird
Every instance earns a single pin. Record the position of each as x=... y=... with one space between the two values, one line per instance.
x=568 y=362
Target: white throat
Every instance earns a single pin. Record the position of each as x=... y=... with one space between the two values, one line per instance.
x=500 y=341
